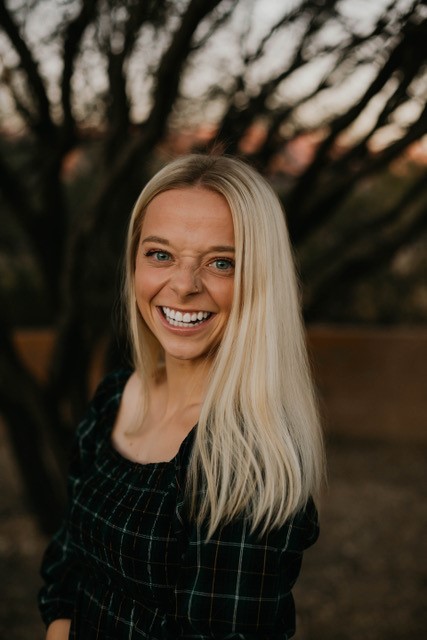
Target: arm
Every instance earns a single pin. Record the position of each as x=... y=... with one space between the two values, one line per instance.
x=58 y=630
x=238 y=585
x=60 y=567
x=61 y=576
x=61 y=570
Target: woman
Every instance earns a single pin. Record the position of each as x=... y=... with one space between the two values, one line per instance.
x=183 y=531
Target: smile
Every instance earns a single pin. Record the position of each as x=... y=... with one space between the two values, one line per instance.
x=179 y=319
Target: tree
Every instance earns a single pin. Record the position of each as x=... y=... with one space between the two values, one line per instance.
x=113 y=83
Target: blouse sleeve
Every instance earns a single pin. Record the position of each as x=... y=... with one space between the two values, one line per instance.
x=60 y=568
x=237 y=586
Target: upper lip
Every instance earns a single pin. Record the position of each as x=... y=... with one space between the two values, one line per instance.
x=168 y=306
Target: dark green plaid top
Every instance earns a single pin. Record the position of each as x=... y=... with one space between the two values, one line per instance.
x=128 y=563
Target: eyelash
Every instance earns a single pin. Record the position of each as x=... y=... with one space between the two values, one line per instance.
x=152 y=252
x=230 y=262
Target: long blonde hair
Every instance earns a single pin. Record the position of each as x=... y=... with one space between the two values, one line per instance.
x=258 y=446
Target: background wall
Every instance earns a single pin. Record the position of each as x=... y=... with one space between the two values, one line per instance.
x=372 y=381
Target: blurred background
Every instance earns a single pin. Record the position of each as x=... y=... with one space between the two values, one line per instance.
x=326 y=98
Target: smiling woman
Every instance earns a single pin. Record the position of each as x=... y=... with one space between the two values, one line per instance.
x=194 y=472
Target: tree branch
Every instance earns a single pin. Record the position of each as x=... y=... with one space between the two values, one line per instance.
x=377 y=250
x=73 y=36
x=285 y=20
x=44 y=125
x=118 y=101
x=236 y=121
x=325 y=205
x=219 y=22
x=171 y=66
x=406 y=47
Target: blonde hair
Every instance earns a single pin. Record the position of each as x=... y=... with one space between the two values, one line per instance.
x=258 y=446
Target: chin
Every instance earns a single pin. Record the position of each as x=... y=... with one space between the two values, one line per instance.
x=185 y=356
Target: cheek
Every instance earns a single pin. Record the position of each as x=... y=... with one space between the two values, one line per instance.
x=147 y=283
x=145 y=290
x=224 y=295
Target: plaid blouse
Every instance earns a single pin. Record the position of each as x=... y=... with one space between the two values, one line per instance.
x=128 y=563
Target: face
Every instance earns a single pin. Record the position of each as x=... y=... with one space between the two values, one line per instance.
x=184 y=272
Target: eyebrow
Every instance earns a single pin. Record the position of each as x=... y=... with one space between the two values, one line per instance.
x=155 y=239
x=221 y=247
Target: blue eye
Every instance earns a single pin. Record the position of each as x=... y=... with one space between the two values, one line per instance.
x=160 y=256
x=223 y=264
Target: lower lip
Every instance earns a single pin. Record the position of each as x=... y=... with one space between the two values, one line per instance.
x=184 y=331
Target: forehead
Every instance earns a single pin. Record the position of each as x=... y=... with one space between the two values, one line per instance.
x=192 y=214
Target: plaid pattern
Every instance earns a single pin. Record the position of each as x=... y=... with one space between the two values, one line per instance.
x=127 y=563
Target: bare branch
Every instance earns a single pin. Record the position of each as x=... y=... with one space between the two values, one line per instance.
x=44 y=124
x=216 y=24
x=118 y=105
x=7 y=77
x=171 y=66
x=237 y=120
x=325 y=205
x=323 y=268
x=285 y=20
x=373 y=249
x=407 y=47
x=72 y=40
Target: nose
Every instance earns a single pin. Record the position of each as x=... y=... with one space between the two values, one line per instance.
x=185 y=280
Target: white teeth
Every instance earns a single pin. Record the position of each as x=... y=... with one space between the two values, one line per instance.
x=179 y=319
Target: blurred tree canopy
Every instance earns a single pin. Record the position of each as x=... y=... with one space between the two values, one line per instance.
x=327 y=98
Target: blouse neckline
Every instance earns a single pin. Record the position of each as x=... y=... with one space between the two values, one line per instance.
x=120 y=457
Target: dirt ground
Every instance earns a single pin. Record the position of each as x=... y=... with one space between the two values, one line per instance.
x=365 y=578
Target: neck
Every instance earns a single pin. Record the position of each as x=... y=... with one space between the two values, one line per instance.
x=184 y=383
